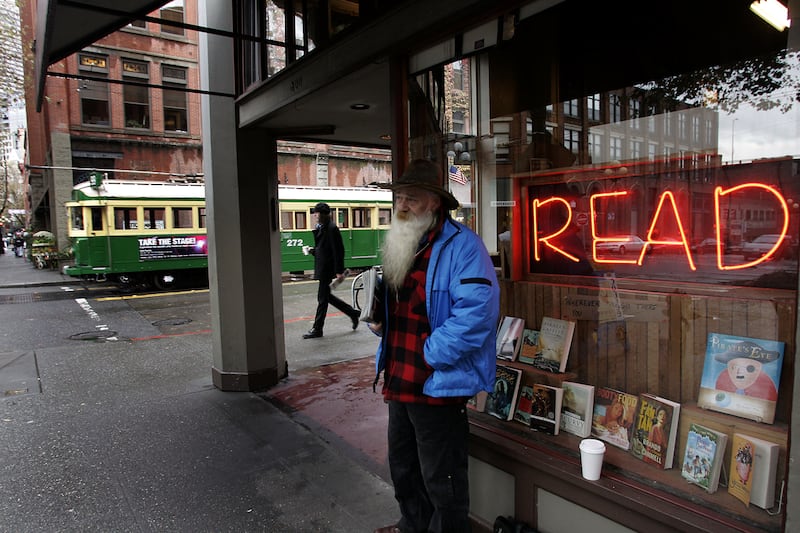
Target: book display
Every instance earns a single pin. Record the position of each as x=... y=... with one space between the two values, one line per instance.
x=478 y=402
x=524 y=405
x=502 y=401
x=576 y=408
x=740 y=484
x=754 y=464
x=546 y=409
x=702 y=463
x=655 y=430
x=741 y=376
x=613 y=416
x=555 y=340
x=509 y=336
x=530 y=346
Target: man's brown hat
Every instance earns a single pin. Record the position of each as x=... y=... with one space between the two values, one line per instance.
x=423 y=174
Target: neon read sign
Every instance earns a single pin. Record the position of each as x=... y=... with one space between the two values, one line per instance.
x=666 y=207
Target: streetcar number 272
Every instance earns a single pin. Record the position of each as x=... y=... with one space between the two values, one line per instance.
x=294 y=242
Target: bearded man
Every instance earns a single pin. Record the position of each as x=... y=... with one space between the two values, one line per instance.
x=438 y=327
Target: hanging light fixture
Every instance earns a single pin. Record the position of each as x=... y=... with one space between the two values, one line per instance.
x=773 y=12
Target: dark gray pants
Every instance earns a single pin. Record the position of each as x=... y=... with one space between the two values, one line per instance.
x=325 y=297
x=428 y=461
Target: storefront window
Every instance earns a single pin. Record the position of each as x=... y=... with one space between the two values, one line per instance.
x=653 y=202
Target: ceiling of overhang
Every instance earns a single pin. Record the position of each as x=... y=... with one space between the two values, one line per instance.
x=66 y=26
x=327 y=114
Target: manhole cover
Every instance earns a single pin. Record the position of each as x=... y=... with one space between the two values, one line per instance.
x=172 y=322
x=93 y=335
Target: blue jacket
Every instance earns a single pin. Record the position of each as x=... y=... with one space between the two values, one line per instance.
x=463 y=303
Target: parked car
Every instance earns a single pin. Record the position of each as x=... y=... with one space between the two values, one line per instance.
x=675 y=246
x=623 y=244
x=764 y=243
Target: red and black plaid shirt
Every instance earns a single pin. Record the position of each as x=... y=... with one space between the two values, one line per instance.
x=406 y=369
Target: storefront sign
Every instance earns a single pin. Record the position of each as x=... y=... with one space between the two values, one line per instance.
x=667 y=214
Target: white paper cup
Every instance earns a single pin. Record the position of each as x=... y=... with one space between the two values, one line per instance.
x=306 y=250
x=592 y=452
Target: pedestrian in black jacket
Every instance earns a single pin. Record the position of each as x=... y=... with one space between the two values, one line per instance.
x=328 y=254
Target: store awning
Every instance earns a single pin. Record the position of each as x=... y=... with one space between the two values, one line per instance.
x=64 y=27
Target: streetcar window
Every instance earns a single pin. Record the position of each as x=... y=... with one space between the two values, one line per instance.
x=384 y=217
x=201 y=215
x=362 y=217
x=154 y=218
x=97 y=219
x=125 y=218
x=181 y=217
x=77 y=217
x=294 y=220
x=341 y=218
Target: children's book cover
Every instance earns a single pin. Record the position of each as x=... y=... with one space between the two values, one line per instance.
x=702 y=461
x=740 y=484
x=741 y=376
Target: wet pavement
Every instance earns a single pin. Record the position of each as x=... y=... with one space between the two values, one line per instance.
x=132 y=436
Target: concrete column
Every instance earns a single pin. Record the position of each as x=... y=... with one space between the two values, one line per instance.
x=61 y=186
x=240 y=168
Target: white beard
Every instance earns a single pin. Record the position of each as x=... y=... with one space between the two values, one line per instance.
x=400 y=246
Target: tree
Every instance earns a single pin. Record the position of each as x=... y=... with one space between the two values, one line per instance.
x=765 y=83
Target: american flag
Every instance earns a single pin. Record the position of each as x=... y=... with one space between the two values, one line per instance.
x=456 y=175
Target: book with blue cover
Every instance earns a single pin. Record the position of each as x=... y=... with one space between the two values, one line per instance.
x=741 y=376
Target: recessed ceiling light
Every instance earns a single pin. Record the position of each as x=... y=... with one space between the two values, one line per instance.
x=359 y=107
x=386 y=137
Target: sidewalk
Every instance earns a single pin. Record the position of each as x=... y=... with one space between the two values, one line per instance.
x=132 y=436
x=20 y=272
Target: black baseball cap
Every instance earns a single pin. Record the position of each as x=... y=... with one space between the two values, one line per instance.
x=321 y=207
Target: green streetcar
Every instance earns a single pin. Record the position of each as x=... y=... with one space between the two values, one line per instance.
x=148 y=233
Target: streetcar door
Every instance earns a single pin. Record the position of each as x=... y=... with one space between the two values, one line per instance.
x=98 y=246
x=364 y=237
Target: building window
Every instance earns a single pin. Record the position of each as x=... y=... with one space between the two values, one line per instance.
x=458 y=121
x=593 y=105
x=175 y=107
x=458 y=76
x=615 y=148
x=94 y=93
x=636 y=149
x=596 y=147
x=172 y=12
x=681 y=125
x=615 y=107
x=572 y=140
x=136 y=99
x=696 y=129
x=571 y=108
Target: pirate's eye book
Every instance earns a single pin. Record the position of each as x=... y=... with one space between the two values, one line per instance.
x=741 y=376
